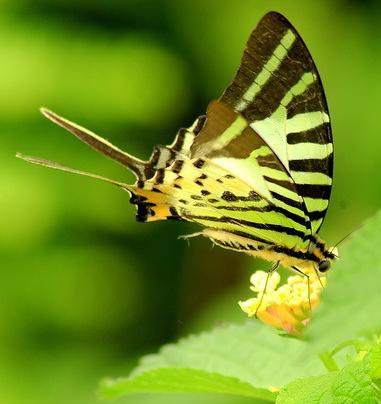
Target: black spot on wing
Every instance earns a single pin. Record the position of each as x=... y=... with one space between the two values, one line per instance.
x=229 y=196
x=199 y=163
x=159 y=177
x=177 y=166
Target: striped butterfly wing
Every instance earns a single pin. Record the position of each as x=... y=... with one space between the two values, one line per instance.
x=277 y=89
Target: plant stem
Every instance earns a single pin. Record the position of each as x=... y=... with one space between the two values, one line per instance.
x=328 y=361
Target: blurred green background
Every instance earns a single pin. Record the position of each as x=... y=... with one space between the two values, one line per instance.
x=85 y=290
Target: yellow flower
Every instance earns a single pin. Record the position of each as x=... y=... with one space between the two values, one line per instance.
x=287 y=307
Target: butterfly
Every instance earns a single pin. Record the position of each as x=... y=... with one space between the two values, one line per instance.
x=256 y=170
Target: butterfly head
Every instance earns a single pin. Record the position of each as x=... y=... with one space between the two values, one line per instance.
x=328 y=256
x=324 y=266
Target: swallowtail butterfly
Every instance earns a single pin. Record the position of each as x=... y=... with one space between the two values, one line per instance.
x=256 y=170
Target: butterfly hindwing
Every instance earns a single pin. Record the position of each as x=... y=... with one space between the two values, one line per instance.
x=201 y=191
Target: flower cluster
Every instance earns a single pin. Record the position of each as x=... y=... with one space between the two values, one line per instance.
x=287 y=307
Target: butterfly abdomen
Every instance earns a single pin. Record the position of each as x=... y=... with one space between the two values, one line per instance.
x=286 y=256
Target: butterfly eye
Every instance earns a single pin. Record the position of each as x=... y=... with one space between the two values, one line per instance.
x=324 y=266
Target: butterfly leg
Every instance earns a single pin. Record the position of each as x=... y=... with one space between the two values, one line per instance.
x=188 y=236
x=273 y=268
x=318 y=276
x=308 y=284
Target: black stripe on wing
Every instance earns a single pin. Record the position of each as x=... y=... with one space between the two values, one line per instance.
x=315 y=135
x=312 y=165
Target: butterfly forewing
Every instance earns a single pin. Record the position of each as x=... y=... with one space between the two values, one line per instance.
x=277 y=89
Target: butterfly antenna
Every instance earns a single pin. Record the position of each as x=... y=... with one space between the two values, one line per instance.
x=345 y=237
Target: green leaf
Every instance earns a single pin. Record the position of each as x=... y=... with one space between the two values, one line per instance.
x=185 y=381
x=351 y=384
x=375 y=362
x=237 y=359
x=351 y=302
